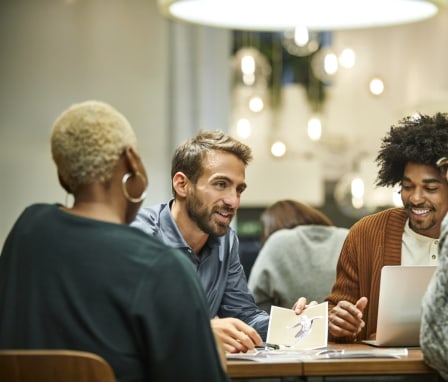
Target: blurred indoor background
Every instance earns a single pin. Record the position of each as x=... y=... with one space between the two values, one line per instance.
x=172 y=79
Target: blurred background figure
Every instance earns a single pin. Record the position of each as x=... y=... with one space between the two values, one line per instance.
x=300 y=249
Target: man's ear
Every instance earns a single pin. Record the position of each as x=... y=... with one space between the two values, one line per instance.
x=64 y=184
x=181 y=184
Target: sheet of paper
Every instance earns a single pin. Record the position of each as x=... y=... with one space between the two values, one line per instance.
x=269 y=356
x=306 y=331
x=296 y=355
x=367 y=353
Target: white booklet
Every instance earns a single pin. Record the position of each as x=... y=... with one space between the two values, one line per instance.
x=294 y=336
x=304 y=337
x=308 y=330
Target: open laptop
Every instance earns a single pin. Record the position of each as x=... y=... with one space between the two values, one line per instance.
x=399 y=308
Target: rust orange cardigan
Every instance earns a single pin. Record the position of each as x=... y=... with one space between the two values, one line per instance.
x=373 y=241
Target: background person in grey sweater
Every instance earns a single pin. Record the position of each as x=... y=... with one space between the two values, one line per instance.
x=300 y=250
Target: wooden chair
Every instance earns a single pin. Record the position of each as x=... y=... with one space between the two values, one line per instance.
x=53 y=366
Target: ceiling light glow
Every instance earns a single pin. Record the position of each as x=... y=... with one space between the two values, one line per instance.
x=256 y=104
x=376 y=86
x=347 y=58
x=278 y=149
x=314 y=129
x=243 y=128
x=280 y=15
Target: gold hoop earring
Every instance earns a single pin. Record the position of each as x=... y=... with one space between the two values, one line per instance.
x=125 y=191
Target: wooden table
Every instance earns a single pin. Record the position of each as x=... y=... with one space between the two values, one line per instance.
x=251 y=369
x=413 y=364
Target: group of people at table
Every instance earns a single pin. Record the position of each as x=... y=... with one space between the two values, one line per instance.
x=159 y=292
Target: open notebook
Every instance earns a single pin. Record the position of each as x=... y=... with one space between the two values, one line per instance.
x=399 y=309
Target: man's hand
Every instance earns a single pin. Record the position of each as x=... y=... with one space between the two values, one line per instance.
x=345 y=319
x=301 y=305
x=235 y=335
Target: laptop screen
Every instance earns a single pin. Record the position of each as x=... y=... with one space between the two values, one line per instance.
x=399 y=310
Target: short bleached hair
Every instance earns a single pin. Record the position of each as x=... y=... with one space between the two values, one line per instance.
x=86 y=142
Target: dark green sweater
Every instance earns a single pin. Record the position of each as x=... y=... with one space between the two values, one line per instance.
x=75 y=283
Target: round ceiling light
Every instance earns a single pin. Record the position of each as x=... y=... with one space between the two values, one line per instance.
x=281 y=15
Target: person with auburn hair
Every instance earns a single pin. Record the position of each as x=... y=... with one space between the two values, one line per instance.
x=300 y=249
x=289 y=214
x=81 y=278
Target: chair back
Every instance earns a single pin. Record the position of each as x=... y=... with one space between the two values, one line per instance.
x=53 y=366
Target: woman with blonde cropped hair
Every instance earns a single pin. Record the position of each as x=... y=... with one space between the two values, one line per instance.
x=79 y=277
x=91 y=143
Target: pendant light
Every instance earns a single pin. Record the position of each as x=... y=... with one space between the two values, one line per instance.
x=281 y=15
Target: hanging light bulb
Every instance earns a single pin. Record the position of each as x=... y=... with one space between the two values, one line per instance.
x=250 y=67
x=357 y=190
x=248 y=64
x=278 y=149
x=256 y=104
x=349 y=194
x=301 y=35
x=347 y=58
x=301 y=41
x=325 y=64
x=330 y=64
x=314 y=128
x=243 y=128
x=376 y=86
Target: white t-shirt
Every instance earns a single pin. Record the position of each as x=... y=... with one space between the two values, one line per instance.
x=418 y=249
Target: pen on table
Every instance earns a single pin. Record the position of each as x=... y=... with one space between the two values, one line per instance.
x=267 y=346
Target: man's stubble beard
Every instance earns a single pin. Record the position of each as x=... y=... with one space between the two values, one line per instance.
x=202 y=217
